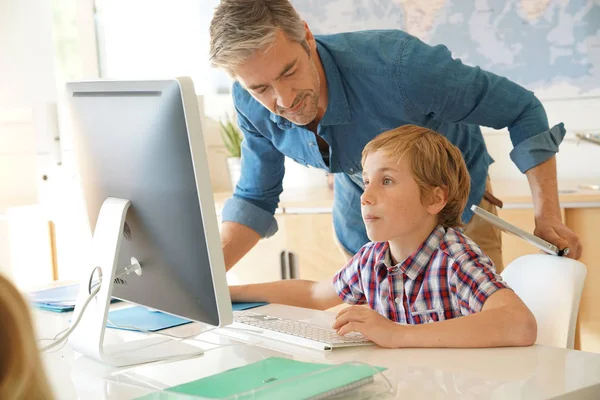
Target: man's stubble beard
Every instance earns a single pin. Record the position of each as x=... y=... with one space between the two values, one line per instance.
x=311 y=108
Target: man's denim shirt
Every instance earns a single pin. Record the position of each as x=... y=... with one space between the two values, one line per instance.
x=376 y=81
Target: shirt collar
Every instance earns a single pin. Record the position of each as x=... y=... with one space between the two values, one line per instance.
x=338 y=111
x=416 y=263
x=281 y=122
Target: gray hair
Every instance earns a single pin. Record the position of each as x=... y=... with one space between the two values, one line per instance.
x=240 y=28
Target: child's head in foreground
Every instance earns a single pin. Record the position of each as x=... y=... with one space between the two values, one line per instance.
x=415 y=179
x=22 y=375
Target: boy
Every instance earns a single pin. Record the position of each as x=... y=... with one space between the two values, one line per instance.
x=418 y=267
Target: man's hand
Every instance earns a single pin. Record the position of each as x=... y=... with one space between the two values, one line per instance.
x=370 y=323
x=548 y=224
x=554 y=231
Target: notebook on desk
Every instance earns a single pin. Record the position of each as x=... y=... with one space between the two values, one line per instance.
x=279 y=378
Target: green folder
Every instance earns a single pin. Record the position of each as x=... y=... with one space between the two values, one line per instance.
x=277 y=378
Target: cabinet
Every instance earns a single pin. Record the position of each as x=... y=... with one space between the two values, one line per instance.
x=304 y=247
x=585 y=222
x=313 y=249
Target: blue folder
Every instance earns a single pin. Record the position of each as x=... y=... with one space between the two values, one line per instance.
x=148 y=320
x=143 y=319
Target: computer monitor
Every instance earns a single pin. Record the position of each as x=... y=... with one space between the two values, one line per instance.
x=144 y=174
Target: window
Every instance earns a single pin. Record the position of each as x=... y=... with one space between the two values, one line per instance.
x=153 y=39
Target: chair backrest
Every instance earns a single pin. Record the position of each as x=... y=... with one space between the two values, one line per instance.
x=551 y=287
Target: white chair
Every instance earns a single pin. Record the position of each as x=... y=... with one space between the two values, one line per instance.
x=551 y=287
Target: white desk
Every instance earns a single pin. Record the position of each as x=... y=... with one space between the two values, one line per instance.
x=506 y=373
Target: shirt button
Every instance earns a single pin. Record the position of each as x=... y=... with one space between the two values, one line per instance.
x=398 y=300
x=311 y=144
x=352 y=170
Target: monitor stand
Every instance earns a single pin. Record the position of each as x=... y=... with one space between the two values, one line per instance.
x=88 y=337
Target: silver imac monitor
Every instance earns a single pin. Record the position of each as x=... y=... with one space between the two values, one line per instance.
x=144 y=174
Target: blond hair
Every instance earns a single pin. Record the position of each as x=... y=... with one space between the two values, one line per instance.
x=434 y=162
x=21 y=372
x=240 y=28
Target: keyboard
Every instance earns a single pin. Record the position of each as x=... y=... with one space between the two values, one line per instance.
x=296 y=332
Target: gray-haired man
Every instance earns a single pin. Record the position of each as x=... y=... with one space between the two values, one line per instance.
x=320 y=99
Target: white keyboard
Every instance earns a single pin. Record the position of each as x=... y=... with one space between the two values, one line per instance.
x=296 y=332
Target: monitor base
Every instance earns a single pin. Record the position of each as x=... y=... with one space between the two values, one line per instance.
x=88 y=337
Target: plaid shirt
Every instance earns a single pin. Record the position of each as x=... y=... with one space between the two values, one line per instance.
x=447 y=277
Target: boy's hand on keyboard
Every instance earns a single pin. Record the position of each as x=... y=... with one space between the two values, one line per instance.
x=370 y=323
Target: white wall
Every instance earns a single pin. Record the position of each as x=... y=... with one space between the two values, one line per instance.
x=27 y=86
x=170 y=39
x=27 y=61
x=576 y=159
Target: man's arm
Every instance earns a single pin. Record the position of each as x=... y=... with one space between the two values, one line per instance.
x=548 y=219
x=292 y=292
x=236 y=240
x=503 y=321
x=249 y=214
x=435 y=85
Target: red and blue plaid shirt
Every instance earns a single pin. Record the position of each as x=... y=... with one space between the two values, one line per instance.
x=447 y=277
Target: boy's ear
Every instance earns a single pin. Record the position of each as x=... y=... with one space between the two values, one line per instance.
x=438 y=197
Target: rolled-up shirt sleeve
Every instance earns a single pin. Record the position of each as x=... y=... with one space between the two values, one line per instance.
x=474 y=280
x=538 y=148
x=257 y=192
x=440 y=87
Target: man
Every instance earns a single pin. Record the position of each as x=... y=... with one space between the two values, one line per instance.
x=320 y=99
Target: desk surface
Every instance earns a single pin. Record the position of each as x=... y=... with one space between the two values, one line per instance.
x=535 y=372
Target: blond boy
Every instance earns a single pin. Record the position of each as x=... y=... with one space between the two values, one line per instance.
x=419 y=267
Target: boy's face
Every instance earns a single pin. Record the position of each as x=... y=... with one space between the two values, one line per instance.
x=284 y=79
x=391 y=203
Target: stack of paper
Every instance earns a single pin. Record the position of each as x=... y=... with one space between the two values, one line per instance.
x=58 y=299
x=62 y=299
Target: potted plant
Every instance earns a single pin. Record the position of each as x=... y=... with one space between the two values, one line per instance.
x=232 y=139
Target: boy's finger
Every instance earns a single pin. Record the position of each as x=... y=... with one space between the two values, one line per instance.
x=341 y=321
x=349 y=327
x=348 y=317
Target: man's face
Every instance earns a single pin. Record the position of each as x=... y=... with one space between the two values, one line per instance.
x=284 y=79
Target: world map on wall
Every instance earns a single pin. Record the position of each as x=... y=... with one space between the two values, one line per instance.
x=550 y=46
